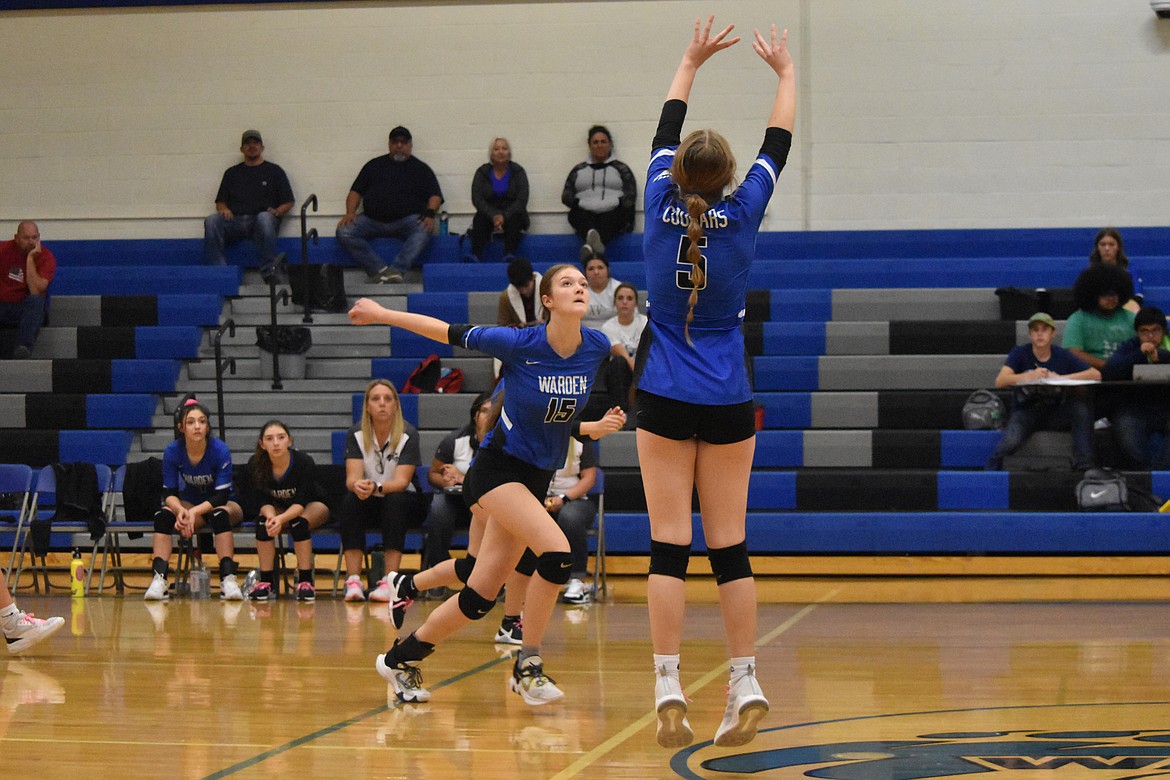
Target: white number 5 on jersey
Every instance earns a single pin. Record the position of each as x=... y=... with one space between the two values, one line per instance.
x=684 y=269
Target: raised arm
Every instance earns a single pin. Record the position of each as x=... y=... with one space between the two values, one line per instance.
x=700 y=49
x=367 y=312
x=775 y=53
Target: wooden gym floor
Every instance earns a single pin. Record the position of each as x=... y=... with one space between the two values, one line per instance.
x=203 y=689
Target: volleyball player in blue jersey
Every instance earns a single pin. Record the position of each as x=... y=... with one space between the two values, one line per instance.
x=695 y=423
x=549 y=371
x=197 y=486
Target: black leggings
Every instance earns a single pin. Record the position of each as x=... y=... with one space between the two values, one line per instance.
x=394 y=514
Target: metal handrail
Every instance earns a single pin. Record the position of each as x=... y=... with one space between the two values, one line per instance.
x=273 y=295
x=220 y=364
x=306 y=234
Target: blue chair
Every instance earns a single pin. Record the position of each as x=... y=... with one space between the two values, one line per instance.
x=110 y=544
x=598 y=532
x=16 y=485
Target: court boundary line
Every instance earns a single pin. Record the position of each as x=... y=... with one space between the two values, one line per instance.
x=589 y=758
x=334 y=728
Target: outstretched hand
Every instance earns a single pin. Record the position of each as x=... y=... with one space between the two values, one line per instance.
x=703 y=45
x=365 y=312
x=774 y=52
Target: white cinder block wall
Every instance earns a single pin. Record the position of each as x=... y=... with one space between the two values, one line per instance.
x=913 y=113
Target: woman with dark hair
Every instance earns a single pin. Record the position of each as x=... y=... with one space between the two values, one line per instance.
x=1109 y=249
x=197 y=485
x=625 y=333
x=284 y=486
x=1100 y=323
x=499 y=192
x=602 y=287
x=600 y=194
x=695 y=421
x=549 y=372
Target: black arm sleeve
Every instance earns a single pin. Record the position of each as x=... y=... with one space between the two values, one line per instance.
x=670 y=124
x=455 y=334
x=777 y=142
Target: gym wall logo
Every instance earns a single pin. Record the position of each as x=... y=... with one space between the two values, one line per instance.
x=1097 y=741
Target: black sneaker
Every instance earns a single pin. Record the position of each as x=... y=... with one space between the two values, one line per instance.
x=306 y=591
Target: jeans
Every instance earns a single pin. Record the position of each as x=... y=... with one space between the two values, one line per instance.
x=355 y=238
x=29 y=315
x=447 y=513
x=575 y=520
x=1133 y=425
x=218 y=232
x=1071 y=414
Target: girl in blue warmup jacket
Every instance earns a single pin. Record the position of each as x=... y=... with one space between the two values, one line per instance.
x=694 y=403
x=549 y=371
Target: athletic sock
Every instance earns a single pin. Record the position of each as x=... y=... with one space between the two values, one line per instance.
x=668 y=663
x=305 y=575
x=740 y=667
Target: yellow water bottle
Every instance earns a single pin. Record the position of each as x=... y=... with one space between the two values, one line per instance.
x=77 y=576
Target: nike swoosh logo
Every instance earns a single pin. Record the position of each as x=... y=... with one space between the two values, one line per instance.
x=532 y=362
x=1096 y=494
x=566 y=565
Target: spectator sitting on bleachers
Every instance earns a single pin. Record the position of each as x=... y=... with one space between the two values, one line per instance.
x=1140 y=412
x=282 y=485
x=381 y=456
x=1044 y=408
x=519 y=304
x=570 y=506
x=499 y=192
x=26 y=268
x=1109 y=249
x=600 y=194
x=625 y=333
x=253 y=196
x=601 y=291
x=1093 y=332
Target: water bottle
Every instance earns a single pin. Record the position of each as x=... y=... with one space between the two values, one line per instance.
x=200 y=576
x=443 y=223
x=250 y=582
x=77 y=575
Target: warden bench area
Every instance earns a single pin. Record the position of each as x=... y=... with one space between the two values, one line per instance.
x=864 y=346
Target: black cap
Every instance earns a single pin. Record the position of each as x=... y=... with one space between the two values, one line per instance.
x=400 y=132
x=250 y=134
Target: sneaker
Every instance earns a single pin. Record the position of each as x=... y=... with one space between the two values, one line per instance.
x=388 y=276
x=158 y=589
x=405 y=678
x=586 y=253
x=398 y=602
x=306 y=591
x=229 y=589
x=534 y=686
x=746 y=707
x=510 y=633
x=27 y=630
x=593 y=239
x=575 y=592
x=381 y=591
x=671 y=704
x=353 y=589
x=261 y=591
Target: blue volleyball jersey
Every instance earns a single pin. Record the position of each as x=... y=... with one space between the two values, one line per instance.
x=545 y=392
x=197 y=483
x=713 y=370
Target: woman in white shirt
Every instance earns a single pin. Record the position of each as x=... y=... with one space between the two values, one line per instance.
x=601 y=292
x=625 y=333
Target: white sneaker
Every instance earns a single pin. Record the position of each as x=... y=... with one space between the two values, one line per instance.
x=534 y=686
x=353 y=589
x=26 y=630
x=158 y=590
x=746 y=707
x=382 y=592
x=229 y=589
x=671 y=704
x=405 y=678
x=575 y=592
x=593 y=239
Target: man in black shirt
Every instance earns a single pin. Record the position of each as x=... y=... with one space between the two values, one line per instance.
x=252 y=198
x=399 y=195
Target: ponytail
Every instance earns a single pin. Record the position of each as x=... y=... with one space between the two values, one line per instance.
x=696 y=207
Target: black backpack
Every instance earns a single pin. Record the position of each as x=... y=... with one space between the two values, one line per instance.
x=983 y=411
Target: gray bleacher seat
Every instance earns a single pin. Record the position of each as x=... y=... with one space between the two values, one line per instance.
x=838 y=449
x=27 y=376
x=844 y=410
x=483 y=307
x=12 y=411
x=958 y=303
x=920 y=372
x=857 y=338
x=437 y=411
x=619 y=450
x=76 y=310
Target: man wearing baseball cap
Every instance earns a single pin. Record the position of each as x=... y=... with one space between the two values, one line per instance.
x=253 y=197
x=399 y=195
x=1039 y=407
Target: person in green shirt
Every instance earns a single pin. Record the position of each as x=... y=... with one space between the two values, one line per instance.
x=1100 y=323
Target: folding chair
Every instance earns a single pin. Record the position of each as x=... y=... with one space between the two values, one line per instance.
x=44 y=503
x=598 y=532
x=117 y=523
x=16 y=488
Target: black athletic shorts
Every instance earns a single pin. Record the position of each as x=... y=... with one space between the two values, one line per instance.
x=679 y=420
x=491 y=468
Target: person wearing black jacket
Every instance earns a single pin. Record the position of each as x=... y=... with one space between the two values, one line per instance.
x=499 y=192
x=1140 y=412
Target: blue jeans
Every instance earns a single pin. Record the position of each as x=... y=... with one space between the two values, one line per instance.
x=355 y=238
x=1073 y=414
x=218 y=232
x=575 y=519
x=28 y=315
x=1133 y=425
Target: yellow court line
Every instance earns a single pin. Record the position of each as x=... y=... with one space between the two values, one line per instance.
x=585 y=761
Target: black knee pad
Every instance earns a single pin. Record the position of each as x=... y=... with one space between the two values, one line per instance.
x=669 y=560
x=555 y=567
x=299 y=530
x=473 y=605
x=262 y=534
x=463 y=567
x=164 y=522
x=527 y=565
x=730 y=563
x=219 y=520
